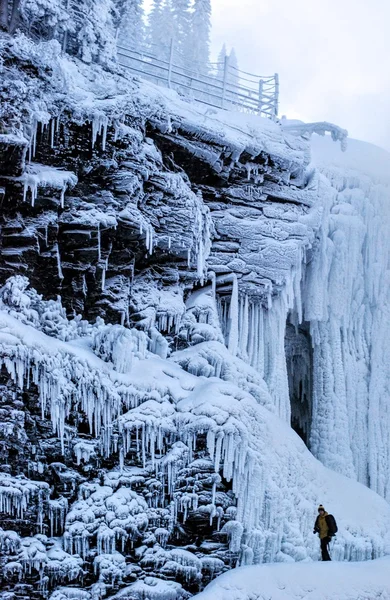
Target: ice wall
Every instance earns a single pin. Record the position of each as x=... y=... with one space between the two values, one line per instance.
x=347 y=301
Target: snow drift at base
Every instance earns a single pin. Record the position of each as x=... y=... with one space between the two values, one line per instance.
x=322 y=581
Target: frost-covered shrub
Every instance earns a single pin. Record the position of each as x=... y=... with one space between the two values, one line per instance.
x=95 y=31
x=48 y=316
x=114 y=343
x=45 y=18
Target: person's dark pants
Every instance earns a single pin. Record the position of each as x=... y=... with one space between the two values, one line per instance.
x=324 y=548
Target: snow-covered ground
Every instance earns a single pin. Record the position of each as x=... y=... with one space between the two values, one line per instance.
x=304 y=581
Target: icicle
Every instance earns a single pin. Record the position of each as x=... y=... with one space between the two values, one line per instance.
x=34 y=193
x=147 y=237
x=200 y=263
x=33 y=141
x=103 y=278
x=213 y=279
x=116 y=130
x=59 y=268
x=52 y=126
x=62 y=201
x=104 y=137
x=233 y=318
x=99 y=127
x=33 y=187
x=245 y=326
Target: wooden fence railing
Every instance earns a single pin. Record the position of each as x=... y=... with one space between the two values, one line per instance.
x=224 y=86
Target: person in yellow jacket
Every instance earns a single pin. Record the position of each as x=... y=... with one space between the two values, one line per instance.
x=326 y=528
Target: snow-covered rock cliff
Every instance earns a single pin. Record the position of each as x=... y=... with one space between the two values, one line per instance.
x=192 y=304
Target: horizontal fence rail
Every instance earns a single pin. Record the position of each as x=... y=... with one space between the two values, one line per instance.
x=223 y=86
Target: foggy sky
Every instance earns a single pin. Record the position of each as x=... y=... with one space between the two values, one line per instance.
x=333 y=57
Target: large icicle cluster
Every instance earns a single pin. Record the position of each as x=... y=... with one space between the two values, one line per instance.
x=167 y=419
x=113 y=517
x=347 y=303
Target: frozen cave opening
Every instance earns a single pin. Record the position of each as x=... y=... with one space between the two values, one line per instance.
x=299 y=358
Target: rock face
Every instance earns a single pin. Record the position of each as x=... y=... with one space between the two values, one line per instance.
x=151 y=255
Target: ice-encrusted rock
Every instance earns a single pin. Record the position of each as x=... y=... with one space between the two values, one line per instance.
x=179 y=269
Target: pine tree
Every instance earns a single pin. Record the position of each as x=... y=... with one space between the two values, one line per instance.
x=221 y=62
x=131 y=27
x=181 y=27
x=200 y=35
x=168 y=29
x=40 y=19
x=154 y=34
x=233 y=78
x=84 y=27
x=95 y=30
x=160 y=29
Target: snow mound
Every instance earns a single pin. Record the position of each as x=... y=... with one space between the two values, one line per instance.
x=322 y=581
x=213 y=359
x=152 y=588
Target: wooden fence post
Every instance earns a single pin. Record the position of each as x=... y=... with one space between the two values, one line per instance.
x=261 y=84
x=170 y=63
x=276 y=107
x=225 y=79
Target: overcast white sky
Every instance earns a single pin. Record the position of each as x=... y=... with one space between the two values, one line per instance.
x=333 y=57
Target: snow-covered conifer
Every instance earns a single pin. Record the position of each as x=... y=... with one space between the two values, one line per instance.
x=131 y=24
x=233 y=77
x=160 y=30
x=95 y=30
x=200 y=34
x=221 y=62
x=168 y=30
x=42 y=19
x=153 y=31
x=182 y=27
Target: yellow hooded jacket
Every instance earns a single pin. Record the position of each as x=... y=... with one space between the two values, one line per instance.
x=323 y=526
